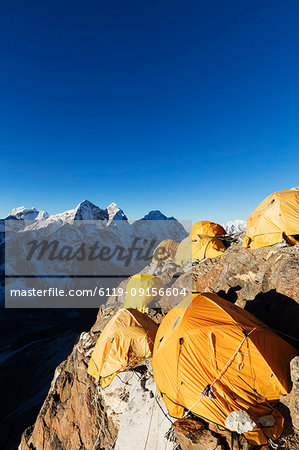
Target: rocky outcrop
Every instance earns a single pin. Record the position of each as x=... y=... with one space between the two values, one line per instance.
x=71 y=416
x=263 y=281
x=129 y=413
x=78 y=414
x=250 y=272
x=292 y=400
x=193 y=435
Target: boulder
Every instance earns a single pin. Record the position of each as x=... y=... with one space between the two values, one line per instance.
x=292 y=400
x=77 y=413
x=263 y=281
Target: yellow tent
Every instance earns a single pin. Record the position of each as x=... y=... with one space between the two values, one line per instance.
x=184 y=251
x=126 y=340
x=141 y=290
x=276 y=216
x=166 y=250
x=206 y=247
x=207 y=228
x=213 y=358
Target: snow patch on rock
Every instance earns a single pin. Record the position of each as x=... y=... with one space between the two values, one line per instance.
x=239 y=421
x=132 y=402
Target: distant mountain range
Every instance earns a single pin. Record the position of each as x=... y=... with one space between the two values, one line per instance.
x=84 y=211
x=89 y=211
x=235 y=226
x=86 y=233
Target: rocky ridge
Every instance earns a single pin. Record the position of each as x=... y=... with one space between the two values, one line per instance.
x=78 y=414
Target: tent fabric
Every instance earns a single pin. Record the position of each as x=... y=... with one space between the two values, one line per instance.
x=126 y=340
x=205 y=247
x=275 y=217
x=166 y=250
x=184 y=251
x=207 y=228
x=141 y=290
x=207 y=338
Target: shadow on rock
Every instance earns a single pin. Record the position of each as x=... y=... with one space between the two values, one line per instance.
x=279 y=312
x=231 y=295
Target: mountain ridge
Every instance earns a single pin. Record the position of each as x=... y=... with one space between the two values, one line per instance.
x=85 y=210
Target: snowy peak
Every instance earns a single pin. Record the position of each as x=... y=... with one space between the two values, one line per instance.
x=156 y=215
x=157 y=224
x=28 y=214
x=19 y=210
x=115 y=213
x=84 y=211
x=235 y=226
x=88 y=211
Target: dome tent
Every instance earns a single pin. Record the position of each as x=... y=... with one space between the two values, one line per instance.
x=184 y=251
x=212 y=358
x=165 y=251
x=141 y=290
x=205 y=247
x=207 y=228
x=275 y=217
x=126 y=340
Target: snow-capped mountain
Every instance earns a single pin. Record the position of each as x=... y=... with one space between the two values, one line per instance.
x=88 y=211
x=74 y=243
x=28 y=214
x=235 y=226
x=115 y=213
x=84 y=211
x=155 y=214
x=156 y=224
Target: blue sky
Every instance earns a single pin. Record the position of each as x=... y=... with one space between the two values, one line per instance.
x=187 y=107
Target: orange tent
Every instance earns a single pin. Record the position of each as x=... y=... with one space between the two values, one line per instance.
x=207 y=228
x=200 y=248
x=275 y=217
x=212 y=358
x=207 y=247
x=126 y=340
x=166 y=250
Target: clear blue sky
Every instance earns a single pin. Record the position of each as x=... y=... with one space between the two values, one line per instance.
x=190 y=107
